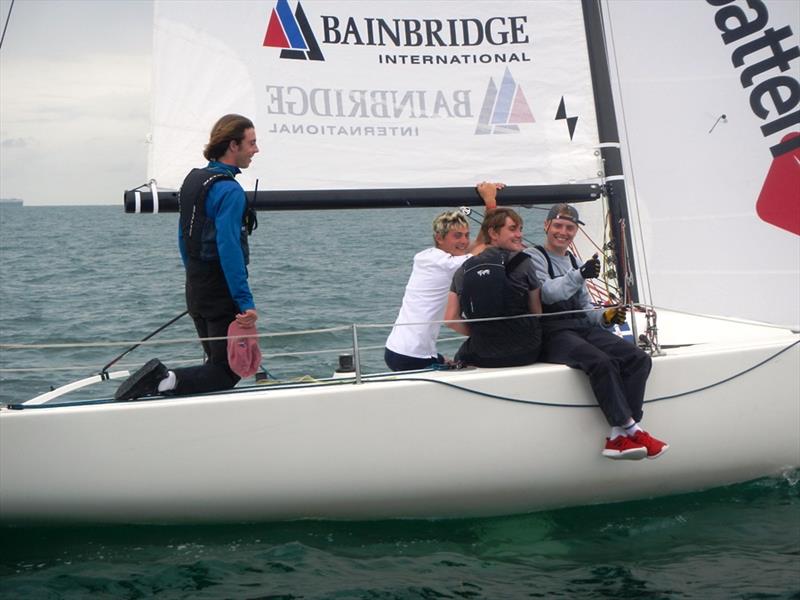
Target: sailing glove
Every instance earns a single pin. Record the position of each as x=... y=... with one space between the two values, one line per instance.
x=591 y=268
x=615 y=316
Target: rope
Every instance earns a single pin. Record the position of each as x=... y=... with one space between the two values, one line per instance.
x=561 y=405
x=164 y=342
x=623 y=114
x=5 y=27
x=381 y=378
x=714 y=317
x=145 y=338
x=638 y=306
x=194 y=361
x=281 y=334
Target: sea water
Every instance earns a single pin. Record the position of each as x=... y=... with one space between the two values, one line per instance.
x=80 y=275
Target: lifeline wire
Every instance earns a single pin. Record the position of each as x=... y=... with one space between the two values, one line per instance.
x=145 y=338
x=377 y=379
x=279 y=334
x=559 y=405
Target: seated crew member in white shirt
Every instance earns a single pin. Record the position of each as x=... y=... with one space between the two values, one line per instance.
x=411 y=347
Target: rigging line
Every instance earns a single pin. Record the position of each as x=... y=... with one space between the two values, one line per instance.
x=509 y=318
x=165 y=342
x=144 y=339
x=714 y=317
x=595 y=406
x=608 y=246
x=378 y=378
x=241 y=390
x=643 y=251
x=282 y=334
x=84 y=367
x=625 y=261
x=727 y=379
x=189 y=361
x=5 y=27
x=596 y=292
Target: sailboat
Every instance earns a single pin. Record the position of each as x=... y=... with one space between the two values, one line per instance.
x=696 y=202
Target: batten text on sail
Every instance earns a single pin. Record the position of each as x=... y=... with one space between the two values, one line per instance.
x=760 y=56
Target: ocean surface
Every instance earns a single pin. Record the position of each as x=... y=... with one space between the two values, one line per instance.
x=79 y=275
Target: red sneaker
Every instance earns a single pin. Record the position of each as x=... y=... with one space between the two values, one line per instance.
x=623 y=447
x=655 y=448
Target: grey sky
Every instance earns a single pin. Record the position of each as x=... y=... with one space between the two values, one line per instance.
x=74 y=99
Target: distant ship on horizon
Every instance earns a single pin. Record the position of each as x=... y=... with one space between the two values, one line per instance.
x=11 y=202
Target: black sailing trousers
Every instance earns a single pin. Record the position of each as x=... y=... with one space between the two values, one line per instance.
x=617 y=369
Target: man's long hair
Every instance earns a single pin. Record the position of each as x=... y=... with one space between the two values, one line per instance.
x=229 y=128
x=495 y=219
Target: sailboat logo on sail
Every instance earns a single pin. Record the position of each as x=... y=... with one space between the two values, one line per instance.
x=292 y=33
x=503 y=109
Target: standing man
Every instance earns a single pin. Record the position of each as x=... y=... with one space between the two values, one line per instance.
x=617 y=369
x=212 y=237
x=499 y=282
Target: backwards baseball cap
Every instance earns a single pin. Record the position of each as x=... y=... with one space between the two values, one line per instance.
x=244 y=355
x=564 y=211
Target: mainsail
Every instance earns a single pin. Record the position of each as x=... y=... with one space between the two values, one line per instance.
x=373 y=95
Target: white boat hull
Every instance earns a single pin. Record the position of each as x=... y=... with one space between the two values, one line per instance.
x=404 y=446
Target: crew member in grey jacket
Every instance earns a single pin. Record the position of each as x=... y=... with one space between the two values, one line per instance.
x=617 y=369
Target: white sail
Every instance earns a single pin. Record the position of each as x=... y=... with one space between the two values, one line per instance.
x=378 y=94
x=697 y=158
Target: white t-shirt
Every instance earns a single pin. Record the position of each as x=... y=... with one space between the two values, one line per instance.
x=425 y=300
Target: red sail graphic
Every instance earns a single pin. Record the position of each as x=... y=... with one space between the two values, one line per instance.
x=779 y=201
x=275 y=37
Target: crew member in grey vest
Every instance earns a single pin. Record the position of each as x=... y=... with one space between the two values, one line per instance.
x=617 y=369
x=212 y=237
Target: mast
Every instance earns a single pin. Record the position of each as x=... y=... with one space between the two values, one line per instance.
x=609 y=145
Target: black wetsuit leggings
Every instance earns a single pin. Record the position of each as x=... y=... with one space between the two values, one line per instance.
x=213 y=310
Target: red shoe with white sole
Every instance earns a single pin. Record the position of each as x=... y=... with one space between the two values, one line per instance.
x=655 y=448
x=624 y=448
